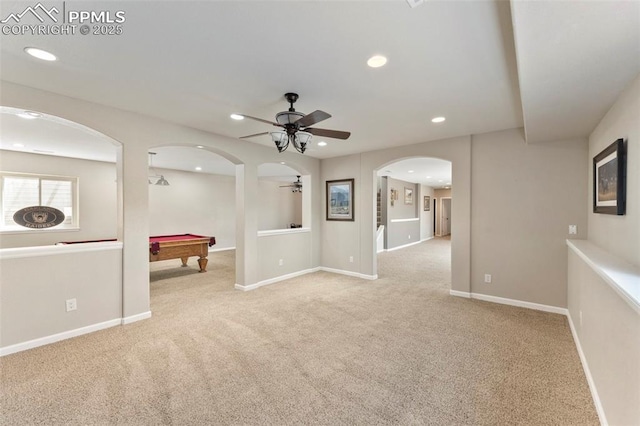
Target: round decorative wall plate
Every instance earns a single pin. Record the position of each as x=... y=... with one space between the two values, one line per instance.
x=38 y=217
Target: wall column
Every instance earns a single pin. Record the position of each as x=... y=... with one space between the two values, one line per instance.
x=246 y=225
x=133 y=230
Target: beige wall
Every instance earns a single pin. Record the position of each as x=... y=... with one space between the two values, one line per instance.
x=194 y=203
x=607 y=328
x=97 y=197
x=342 y=239
x=138 y=133
x=620 y=235
x=426 y=217
x=525 y=196
x=279 y=207
x=33 y=306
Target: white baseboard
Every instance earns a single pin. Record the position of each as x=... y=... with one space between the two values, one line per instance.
x=404 y=246
x=19 y=347
x=137 y=317
x=303 y=272
x=349 y=273
x=213 y=250
x=275 y=279
x=457 y=293
x=520 y=303
x=427 y=239
x=511 y=302
x=587 y=373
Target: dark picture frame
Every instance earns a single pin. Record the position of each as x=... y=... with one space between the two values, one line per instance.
x=427 y=203
x=340 y=196
x=609 y=186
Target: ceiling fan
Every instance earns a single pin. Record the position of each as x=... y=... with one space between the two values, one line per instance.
x=295 y=186
x=296 y=127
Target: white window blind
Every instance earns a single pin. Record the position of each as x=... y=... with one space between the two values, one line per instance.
x=20 y=191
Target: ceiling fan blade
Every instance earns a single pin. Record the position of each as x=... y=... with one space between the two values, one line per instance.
x=260 y=119
x=256 y=134
x=313 y=118
x=336 y=134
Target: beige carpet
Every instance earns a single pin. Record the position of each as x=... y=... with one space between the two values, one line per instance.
x=319 y=349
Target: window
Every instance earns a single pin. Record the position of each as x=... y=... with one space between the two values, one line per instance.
x=23 y=190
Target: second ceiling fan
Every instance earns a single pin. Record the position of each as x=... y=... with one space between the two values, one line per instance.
x=297 y=127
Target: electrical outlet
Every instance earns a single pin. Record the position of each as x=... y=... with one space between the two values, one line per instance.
x=351 y=259
x=281 y=262
x=72 y=305
x=573 y=229
x=487 y=278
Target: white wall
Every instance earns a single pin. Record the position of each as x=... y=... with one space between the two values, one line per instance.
x=97 y=194
x=194 y=203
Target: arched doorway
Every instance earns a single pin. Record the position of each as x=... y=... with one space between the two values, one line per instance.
x=405 y=193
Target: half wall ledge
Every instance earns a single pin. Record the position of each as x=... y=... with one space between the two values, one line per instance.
x=622 y=276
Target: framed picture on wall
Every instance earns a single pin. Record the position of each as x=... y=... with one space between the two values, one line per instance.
x=609 y=180
x=394 y=196
x=340 y=199
x=408 y=196
x=427 y=203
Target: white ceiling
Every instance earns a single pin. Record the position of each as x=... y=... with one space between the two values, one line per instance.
x=194 y=63
x=432 y=172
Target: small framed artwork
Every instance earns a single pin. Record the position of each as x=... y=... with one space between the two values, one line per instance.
x=340 y=199
x=408 y=196
x=609 y=169
x=394 y=196
x=427 y=203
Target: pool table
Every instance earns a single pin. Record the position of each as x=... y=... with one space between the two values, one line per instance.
x=181 y=246
x=166 y=247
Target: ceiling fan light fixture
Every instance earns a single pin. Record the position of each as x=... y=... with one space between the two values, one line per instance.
x=288 y=117
x=301 y=140
x=281 y=139
x=162 y=181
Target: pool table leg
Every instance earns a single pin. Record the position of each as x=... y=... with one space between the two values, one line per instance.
x=184 y=261
x=203 y=264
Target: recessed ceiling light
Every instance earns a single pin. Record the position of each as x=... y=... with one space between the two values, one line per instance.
x=40 y=54
x=282 y=162
x=18 y=145
x=376 y=61
x=322 y=143
x=29 y=115
x=410 y=171
x=199 y=146
x=198 y=168
x=237 y=116
x=438 y=119
x=428 y=177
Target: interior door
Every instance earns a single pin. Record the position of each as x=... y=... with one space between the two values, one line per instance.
x=446 y=216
